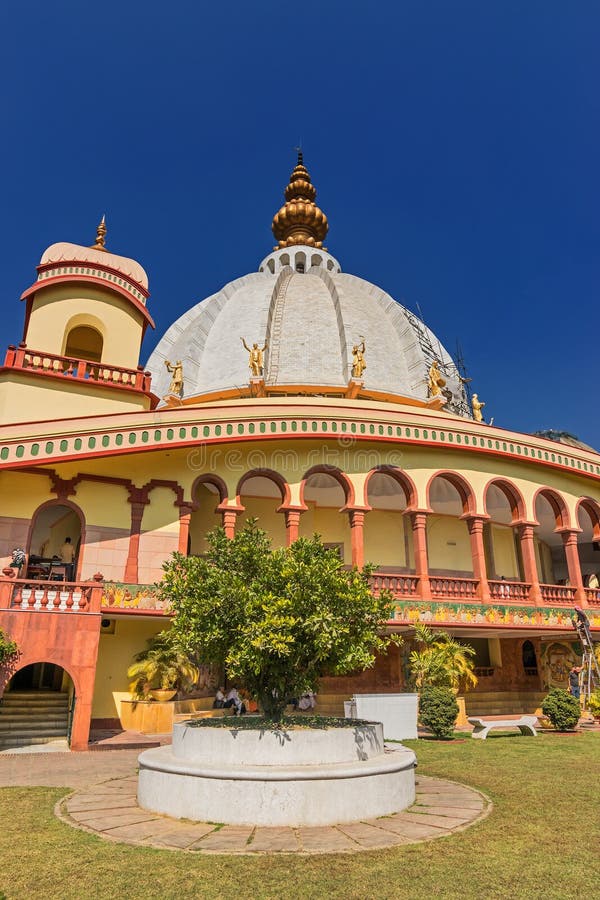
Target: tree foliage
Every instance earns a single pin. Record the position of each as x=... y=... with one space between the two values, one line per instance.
x=162 y=665
x=440 y=661
x=275 y=620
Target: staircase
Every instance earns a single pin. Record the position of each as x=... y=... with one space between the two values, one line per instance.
x=33 y=717
x=498 y=703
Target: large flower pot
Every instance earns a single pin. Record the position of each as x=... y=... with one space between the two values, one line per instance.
x=264 y=776
x=162 y=696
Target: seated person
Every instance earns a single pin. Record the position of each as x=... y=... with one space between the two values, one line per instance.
x=234 y=701
x=307 y=701
x=219 y=701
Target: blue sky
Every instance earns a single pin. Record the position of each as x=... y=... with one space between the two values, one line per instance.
x=455 y=147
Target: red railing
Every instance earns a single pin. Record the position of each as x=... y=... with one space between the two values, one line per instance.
x=593 y=595
x=51 y=596
x=509 y=591
x=557 y=593
x=399 y=585
x=81 y=370
x=453 y=588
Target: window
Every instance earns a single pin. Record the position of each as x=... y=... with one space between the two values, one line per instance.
x=84 y=342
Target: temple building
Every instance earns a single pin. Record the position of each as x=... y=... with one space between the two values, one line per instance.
x=303 y=396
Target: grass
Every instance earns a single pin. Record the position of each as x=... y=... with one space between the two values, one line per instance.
x=252 y=723
x=541 y=840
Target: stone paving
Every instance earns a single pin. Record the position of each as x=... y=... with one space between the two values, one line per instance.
x=110 y=810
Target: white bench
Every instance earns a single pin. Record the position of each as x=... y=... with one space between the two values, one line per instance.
x=484 y=724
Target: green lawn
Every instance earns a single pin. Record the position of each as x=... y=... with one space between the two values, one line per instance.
x=542 y=839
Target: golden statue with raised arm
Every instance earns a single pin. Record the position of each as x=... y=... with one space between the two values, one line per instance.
x=358 y=359
x=176 y=370
x=477 y=407
x=435 y=382
x=255 y=361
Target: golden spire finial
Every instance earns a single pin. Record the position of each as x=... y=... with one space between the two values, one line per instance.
x=100 y=236
x=300 y=221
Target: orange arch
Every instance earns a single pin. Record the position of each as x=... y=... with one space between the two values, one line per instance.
x=465 y=491
x=342 y=479
x=400 y=477
x=273 y=476
x=512 y=494
x=30 y=659
x=559 y=507
x=76 y=509
x=592 y=508
x=209 y=478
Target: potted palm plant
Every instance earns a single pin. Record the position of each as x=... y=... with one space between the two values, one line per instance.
x=161 y=670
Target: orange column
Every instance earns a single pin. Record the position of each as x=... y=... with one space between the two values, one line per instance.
x=418 y=520
x=138 y=497
x=529 y=561
x=357 y=536
x=292 y=524
x=185 y=515
x=229 y=519
x=475 y=525
x=569 y=536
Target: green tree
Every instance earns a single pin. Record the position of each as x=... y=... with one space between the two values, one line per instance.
x=440 y=661
x=438 y=710
x=161 y=665
x=276 y=620
x=562 y=709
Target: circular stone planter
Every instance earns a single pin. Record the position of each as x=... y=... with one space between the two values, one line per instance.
x=300 y=776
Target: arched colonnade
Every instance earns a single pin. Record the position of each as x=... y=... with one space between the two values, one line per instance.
x=433 y=546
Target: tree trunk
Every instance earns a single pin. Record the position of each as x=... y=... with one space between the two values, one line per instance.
x=273 y=708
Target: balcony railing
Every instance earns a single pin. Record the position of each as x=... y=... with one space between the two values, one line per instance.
x=509 y=591
x=399 y=585
x=557 y=593
x=80 y=370
x=453 y=588
x=51 y=596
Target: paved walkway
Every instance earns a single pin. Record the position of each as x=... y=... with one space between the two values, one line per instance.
x=110 y=810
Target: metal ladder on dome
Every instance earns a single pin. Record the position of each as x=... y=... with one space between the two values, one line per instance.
x=274 y=332
x=459 y=403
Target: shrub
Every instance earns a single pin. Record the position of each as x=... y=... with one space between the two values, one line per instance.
x=562 y=709
x=594 y=704
x=8 y=649
x=438 y=710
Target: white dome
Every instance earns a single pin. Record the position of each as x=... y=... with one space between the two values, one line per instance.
x=310 y=320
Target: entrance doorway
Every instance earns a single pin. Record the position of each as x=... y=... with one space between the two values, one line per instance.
x=54 y=544
x=37 y=706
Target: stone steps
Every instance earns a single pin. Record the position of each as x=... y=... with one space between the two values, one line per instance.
x=503 y=703
x=33 y=717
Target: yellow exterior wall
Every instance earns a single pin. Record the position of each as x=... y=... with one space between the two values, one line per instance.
x=27 y=398
x=448 y=544
x=115 y=655
x=332 y=525
x=385 y=538
x=265 y=510
x=57 y=309
x=202 y=521
x=505 y=558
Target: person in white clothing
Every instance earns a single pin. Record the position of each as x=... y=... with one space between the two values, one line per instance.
x=307 y=701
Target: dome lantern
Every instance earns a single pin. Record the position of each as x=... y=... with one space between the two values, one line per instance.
x=300 y=221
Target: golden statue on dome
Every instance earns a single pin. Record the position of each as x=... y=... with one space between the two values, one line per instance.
x=358 y=359
x=176 y=371
x=435 y=382
x=256 y=358
x=300 y=221
x=99 y=243
x=477 y=406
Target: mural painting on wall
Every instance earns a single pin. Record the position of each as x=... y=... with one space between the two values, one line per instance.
x=454 y=614
x=557 y=659
x=132 y=596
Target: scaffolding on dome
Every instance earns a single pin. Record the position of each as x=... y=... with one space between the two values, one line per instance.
x=458 y=402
